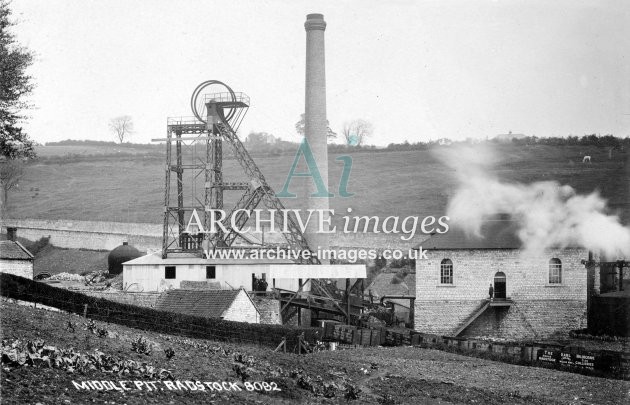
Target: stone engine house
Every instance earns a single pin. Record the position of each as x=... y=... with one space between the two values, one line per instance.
x=534 y=296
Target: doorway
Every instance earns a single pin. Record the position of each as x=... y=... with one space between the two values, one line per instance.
x=500 y=289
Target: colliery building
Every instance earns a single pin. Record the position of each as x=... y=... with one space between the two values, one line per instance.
x=14 y=257
x=534 y=296
x=152 y=273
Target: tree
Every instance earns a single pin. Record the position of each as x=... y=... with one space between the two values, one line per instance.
x=260 y=139
x=356 y=132
x=122 y=127
x=15 y=85
x=11 y=172
x=300 y=128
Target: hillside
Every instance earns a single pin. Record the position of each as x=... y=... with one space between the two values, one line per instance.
x=366 y=376
x=403 y=183
x=54 y=260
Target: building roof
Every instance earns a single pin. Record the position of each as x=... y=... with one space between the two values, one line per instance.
x=495 y=234
x=13 y=250
x=204 y=303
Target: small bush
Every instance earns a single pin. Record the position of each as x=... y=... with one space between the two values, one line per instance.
x=38 y=245
x=90 y=325
x=141 y=346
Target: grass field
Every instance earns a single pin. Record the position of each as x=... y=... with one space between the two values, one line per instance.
x=401 y=375
x=61 y=150
x=129 y=189
x=54 y=261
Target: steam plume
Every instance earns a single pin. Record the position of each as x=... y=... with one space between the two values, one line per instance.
x=548 y=214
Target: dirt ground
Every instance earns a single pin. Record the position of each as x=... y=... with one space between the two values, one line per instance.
x=401 y=375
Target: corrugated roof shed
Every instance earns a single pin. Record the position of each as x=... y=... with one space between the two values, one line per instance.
x=12 y=250
x=204 y=303
x=495 y=234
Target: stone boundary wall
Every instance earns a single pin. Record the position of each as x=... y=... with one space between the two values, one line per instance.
x=91 y=235
x=101 y=235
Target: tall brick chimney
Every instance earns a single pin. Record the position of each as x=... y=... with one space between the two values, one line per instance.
x=315 y=123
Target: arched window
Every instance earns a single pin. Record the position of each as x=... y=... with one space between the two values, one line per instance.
x=555 y=271
x=446 y=271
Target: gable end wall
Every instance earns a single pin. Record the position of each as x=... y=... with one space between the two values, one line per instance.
x=242 y=310
x=539 y=310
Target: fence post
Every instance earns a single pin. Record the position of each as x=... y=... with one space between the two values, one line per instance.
x=283 y=343
x=85 y=310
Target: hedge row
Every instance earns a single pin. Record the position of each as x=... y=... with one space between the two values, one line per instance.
x=20 y=288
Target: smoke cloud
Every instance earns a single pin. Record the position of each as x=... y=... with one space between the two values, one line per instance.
x=548 y=214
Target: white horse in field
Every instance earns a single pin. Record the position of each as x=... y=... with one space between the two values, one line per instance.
x=586 y=159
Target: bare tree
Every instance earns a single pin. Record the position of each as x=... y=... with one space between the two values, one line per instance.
x=356 y=132
x=301 y=125
x=122 y=127
x=11 y=172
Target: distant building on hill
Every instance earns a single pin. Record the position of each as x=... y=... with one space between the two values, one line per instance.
x=230 y=305
x=508 y=137
x=534 y=296
x=14 y=257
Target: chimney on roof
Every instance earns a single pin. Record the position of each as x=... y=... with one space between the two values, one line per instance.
x=11 y=233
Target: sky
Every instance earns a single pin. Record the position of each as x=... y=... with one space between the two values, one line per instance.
x=418 y=70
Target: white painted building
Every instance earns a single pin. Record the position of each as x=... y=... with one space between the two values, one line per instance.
x=152 y=273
